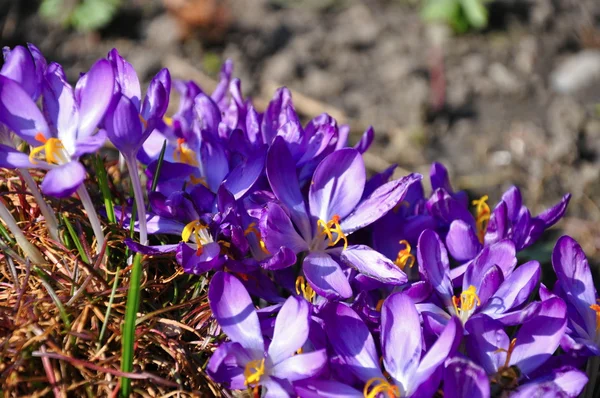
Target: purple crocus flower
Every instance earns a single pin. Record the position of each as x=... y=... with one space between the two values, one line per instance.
x=576 y=286
x=246 y=361
x=335 y=210
x=72 y=120
x=26 y=66
x=411 y=372
x=465 y=379
x=510 y=219
x=510 y=363
x=491 y=284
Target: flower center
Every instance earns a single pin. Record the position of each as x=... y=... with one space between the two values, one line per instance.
x=253 y=371
x=332 y=227
x=52 y=148
x=303 y=288
x=183 y=154
x=468 y=300
x=378 y=385
x=482 y=216
x=404 y=257
x=253 y=230
x=197 y=230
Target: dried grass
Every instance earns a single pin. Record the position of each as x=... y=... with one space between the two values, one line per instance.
x=51 y=316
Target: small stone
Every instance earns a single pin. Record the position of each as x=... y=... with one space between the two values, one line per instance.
x=576 y=72
x=506 y=80
x=565 y=120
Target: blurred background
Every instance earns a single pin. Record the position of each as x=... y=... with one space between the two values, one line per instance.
x=502 y=92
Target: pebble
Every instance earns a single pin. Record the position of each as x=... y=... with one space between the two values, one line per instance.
x=576 y=72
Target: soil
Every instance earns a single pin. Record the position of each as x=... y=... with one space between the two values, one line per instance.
x=516 y=103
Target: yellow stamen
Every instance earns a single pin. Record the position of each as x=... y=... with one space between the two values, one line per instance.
x=404 y=257
x=380 y=385
x=253 y=230
x=331 y=227
x=508 y=352
x=300 y=351
x=198 y=180
x=168 y=121
x=193 y=228
x=144 y=122
x=379 y=305
x=302 y=287
x=253 y=371
x=467 y=301
x=184 y=154
x=482 y=216
x=52 y=148
x=596 y=308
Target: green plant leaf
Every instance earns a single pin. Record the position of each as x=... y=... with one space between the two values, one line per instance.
x=475 y=12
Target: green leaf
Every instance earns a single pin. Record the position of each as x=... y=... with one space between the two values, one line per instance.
x=131 y=309
x=440 y=10
x=475 y=12
x=93 y=14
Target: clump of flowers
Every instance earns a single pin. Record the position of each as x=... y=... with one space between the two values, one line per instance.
x=323 y=282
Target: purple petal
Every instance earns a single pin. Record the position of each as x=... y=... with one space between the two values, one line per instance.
x=10 y=158
x=281 y=173
x=439 y=177
x=366 y=140
x=464 y=379
x=291 y=330
x=373 y=264
x=232 y=307
x=497 y=228
x=326 y=389
x=207 y=111
x=565 y=381
x=462 y=241
x=19 y=66
x=443 y=206
x=352 y=341
x=538 y=339
x=192 y=263
x=433 y=262
x=150 y=250
x=325 y=276
x=300 y=367
x=283 y=258
x=515 y=290
x=486 y=283
x=20 y=113
x=215 y=160
x=573 y=272
x=317 y=143
x=224 y=78
x=555 y=213
x=514 y=201
x=242 y=178
x=95 y=97
x=157 y=97
x=277 y=230
x=273 y=115
x=123 y=125
x=293 y=135
x=337 y=185
x=226 y=365
x=59 y=105
x=502 y=254
x=126 y=76
x=486 y=337
x=400 y=338
x=380 y=202
x=64 y=180
x=90 y=144
x=439 y=352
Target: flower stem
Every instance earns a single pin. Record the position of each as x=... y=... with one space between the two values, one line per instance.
x=51 y=221
x=592 y=372
x=139 y=197
x=92 y=216
x=30 y=250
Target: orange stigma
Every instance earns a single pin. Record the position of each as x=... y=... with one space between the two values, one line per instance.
x=596 y=308
x=332 y=227
x=183 y=154
x=404 y=257
x=482 y=216
x=253 y=230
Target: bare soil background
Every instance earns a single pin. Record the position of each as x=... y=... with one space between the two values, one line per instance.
x=516 y=103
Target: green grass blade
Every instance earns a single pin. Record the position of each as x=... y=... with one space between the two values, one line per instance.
x=161 y=158
x=61 y=309
x=131 y=309
x=105 y=189
x=76 y=240
x=109 y=307
x=6 y=235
